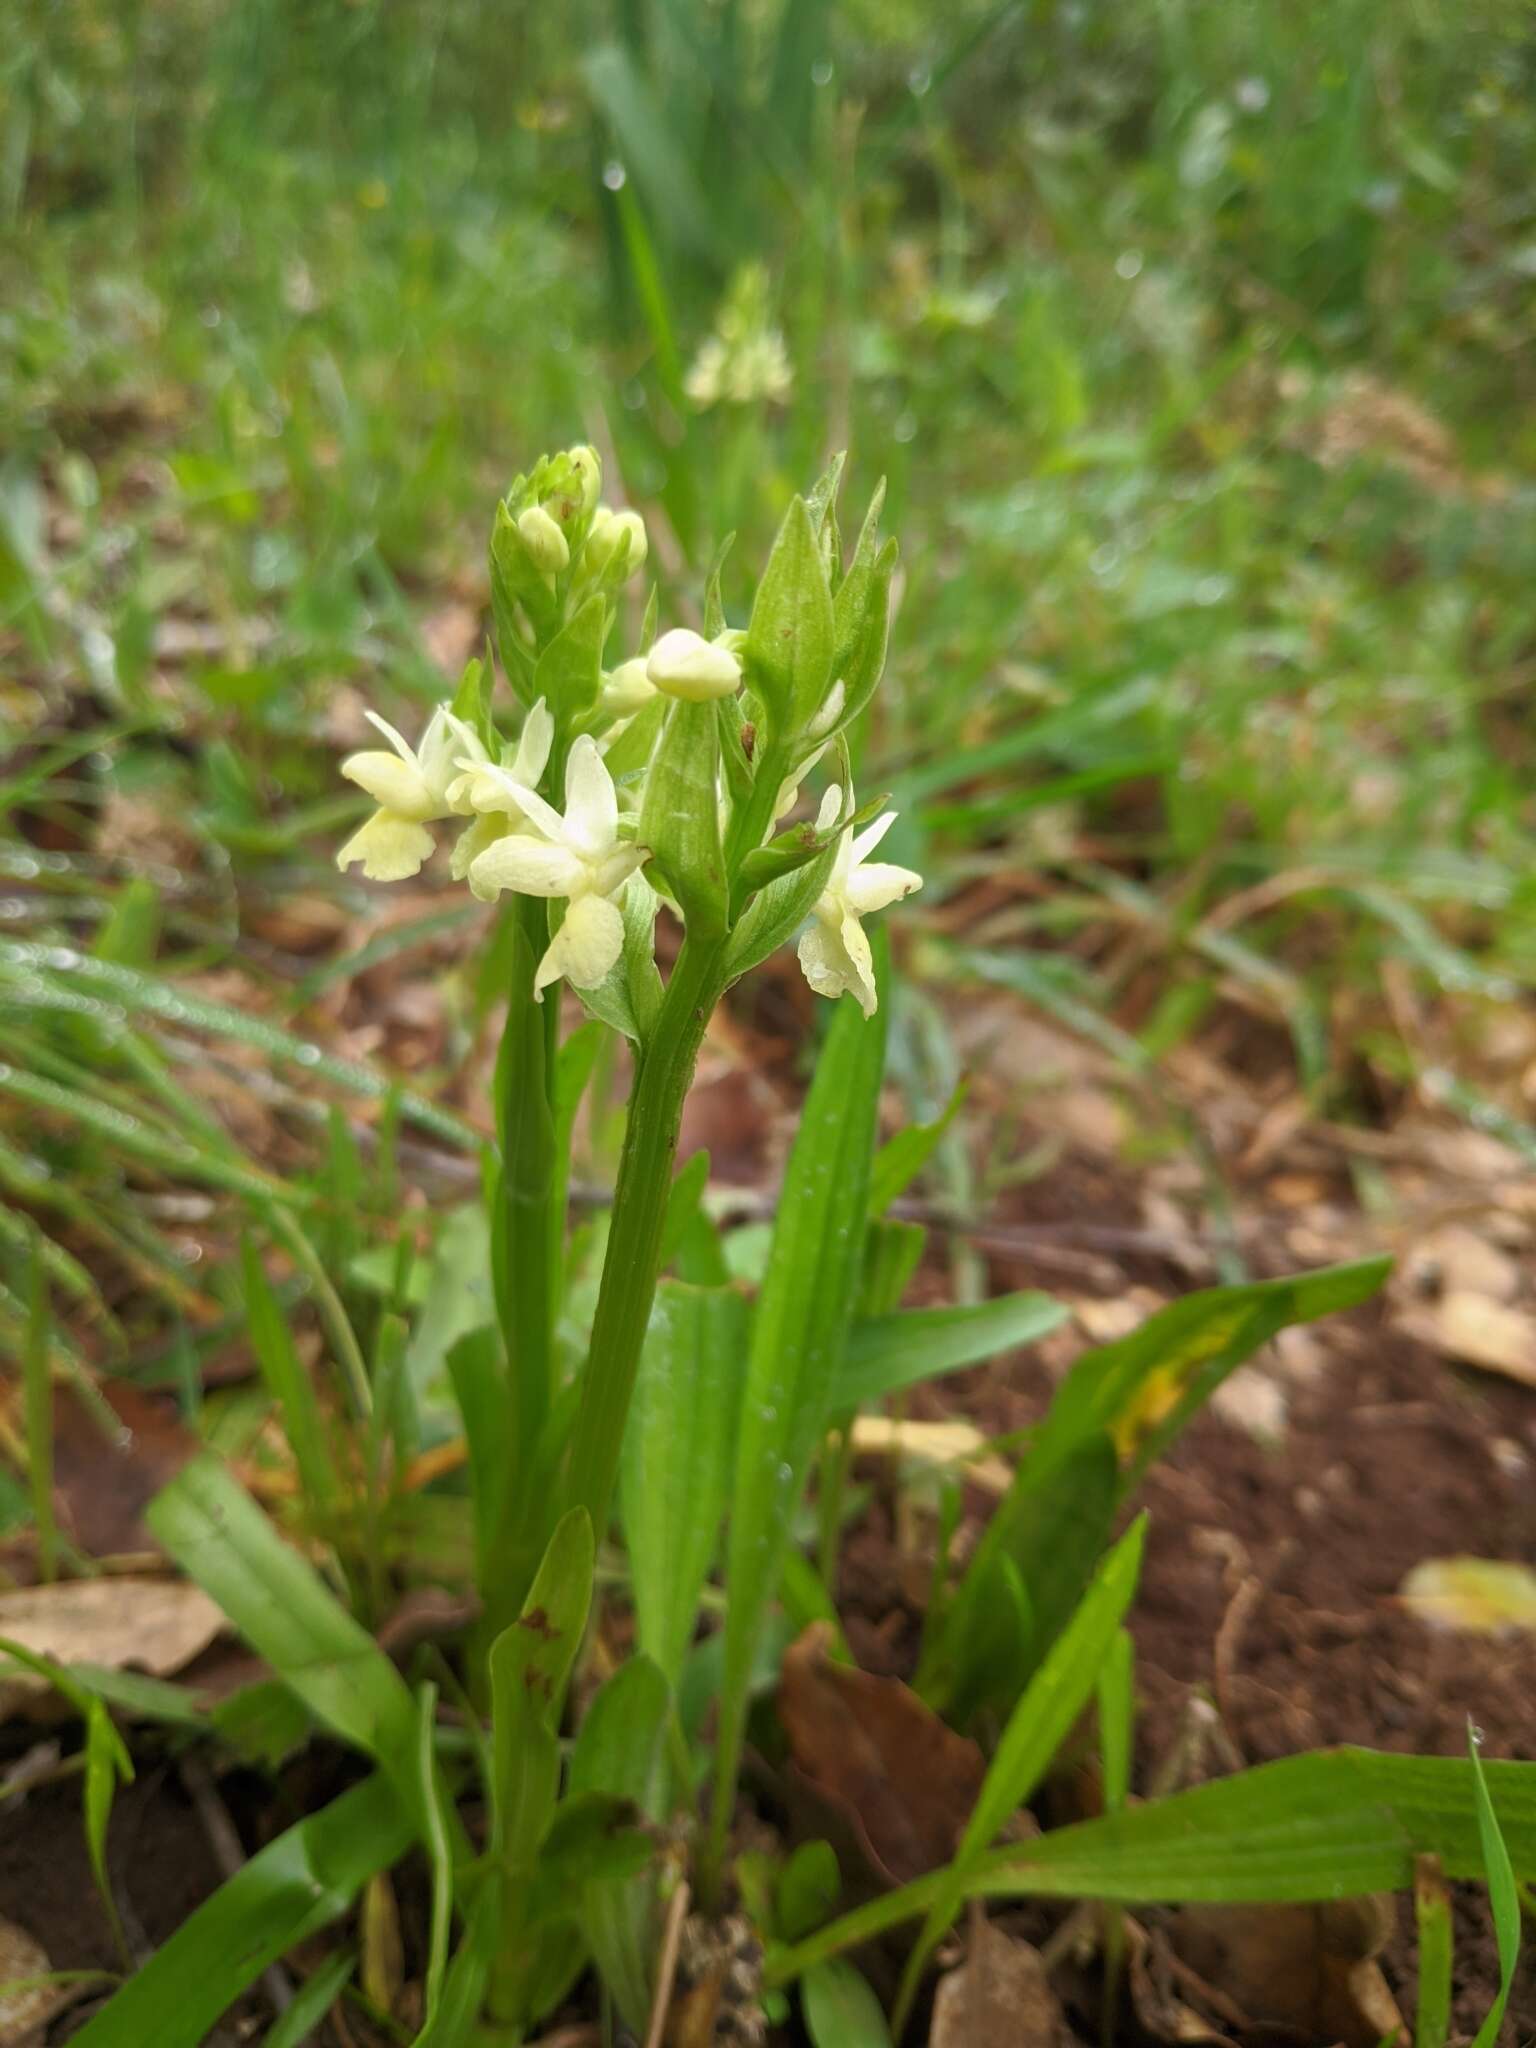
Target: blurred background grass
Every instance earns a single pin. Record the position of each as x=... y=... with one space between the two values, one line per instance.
x=1194 y=339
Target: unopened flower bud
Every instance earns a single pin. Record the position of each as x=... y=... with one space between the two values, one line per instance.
x=684 y=664
x=545 y=543
x=628 y=688
x=606 y=536
x=589 y=471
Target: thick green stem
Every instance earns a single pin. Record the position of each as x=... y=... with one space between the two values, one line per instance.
x=529 y=1180
x=639 y=1212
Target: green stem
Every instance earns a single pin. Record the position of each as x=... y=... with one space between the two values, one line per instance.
x=639 y=1212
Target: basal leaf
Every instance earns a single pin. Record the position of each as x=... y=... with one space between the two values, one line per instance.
x=288 y=1891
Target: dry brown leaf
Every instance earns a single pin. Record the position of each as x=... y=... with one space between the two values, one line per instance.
x=934 y=1443
x=26 y=2011
x=1000 y=1997
x=1457 y=1260
x=1477 y=1330
x=153 y=1625
x=382 y=1973
x=1308 y=1967
x=301 y=924
x=1477 y=1594
x=872 y=1750
x=103 y=1484
x=1161 y=2012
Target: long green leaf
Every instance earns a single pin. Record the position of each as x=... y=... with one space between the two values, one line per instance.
x=288 y=1891
x=1331 y=1825
x=1145 y=1387
x=218 y=1535
x=530 y=1663
x=647 y=138
x=675 y=1474
x=312 y=2002
x=1036 y=1729
x=798 y=1336
x=887 y=1353
x=1432 y=1915
x=1120 y=1407
x=290 y=1387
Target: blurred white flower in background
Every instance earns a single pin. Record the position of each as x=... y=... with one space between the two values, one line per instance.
x=744 y=362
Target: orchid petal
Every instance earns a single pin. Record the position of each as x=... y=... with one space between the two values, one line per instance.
x=586 y=946
x=391 y=848
x=396 y=738
x=878 y=883
x=394 y=784
x=473 y=841
x=591 y=802
x=528 y=866
x=872 y=835
x=534 y=743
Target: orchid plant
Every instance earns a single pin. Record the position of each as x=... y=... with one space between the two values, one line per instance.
x=612 y=789
x=673 y=770
x=664 y=1422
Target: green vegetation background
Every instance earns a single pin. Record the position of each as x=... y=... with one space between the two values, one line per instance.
x=1195 y=340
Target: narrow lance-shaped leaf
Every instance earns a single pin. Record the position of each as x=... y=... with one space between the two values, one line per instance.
x=530 y=1665
x=530 y=1662
x=676 y=1467
x=287 y=1892
x=887 y=1353
x=290 y=1386
x=798 y=1336
x=1331 y=1825
x=1503 y=1897
x=218 y=1535
x=1036 y=1729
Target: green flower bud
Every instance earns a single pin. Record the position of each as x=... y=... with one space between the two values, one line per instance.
x=589 y=475
x=606 y=536
x=684 y=664
x=628 y=688
x=545 y=543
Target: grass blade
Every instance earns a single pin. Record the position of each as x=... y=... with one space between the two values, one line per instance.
x=1502 y=1896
